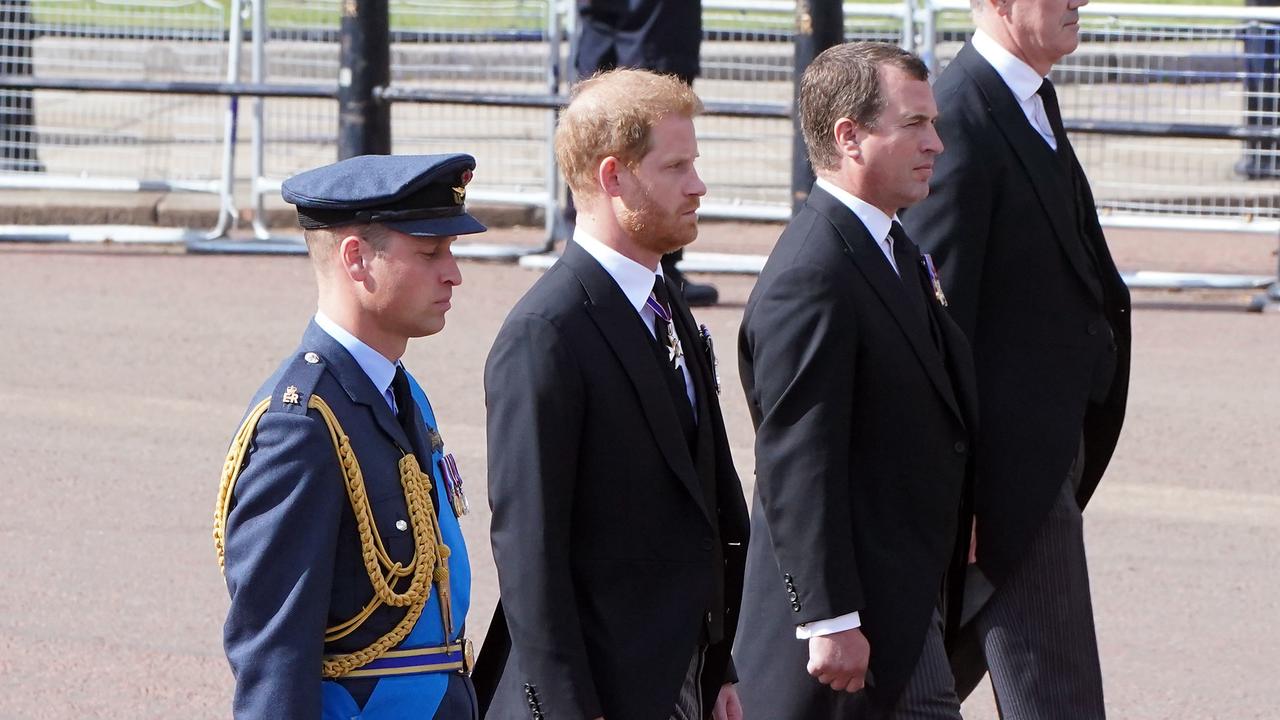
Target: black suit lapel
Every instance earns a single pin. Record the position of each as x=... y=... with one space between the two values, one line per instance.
x=870 y=261
x=1054 y=190
x=625 y=333
x=357 y=384
x=698 y=366
x=959 y=358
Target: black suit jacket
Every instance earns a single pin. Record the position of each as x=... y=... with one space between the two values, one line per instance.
x=862 y=432
x=660 y=35
x=1001 y=224
x=619 y=551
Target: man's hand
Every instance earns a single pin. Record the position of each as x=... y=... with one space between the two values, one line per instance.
x=840 y=659
x=727 y=705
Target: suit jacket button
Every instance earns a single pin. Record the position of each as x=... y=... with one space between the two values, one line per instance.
x=961 y=447
x=792 y=594
x=708 y=543
x=795 y=606
x=1093 y=328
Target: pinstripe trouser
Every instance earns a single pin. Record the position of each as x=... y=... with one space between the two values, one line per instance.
x=689 y=705
x=930 y=694
x=1036 y=630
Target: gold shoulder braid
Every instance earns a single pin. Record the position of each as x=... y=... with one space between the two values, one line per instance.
x=430 y=559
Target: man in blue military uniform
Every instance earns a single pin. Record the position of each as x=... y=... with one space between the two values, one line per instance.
x=337 y=519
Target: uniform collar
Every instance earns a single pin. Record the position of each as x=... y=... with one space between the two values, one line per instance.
x=1020 y=77
x=873 y=218
x=374 y=364
x=635 y=280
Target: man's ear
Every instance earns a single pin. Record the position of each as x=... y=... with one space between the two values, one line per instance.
x=608 y=176
x=848 y=137
x=353 y=253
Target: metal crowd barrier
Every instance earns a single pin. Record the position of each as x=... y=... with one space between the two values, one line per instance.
x=1163 y=104
x=515 y=52
x=78 y=138
x=747 y=58
x=1165 y=110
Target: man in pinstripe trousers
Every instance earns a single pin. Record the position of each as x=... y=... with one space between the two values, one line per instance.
x=1012 y=224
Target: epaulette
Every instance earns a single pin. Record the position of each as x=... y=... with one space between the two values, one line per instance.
x=297 y=382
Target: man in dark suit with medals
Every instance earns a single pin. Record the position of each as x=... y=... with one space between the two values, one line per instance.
x=618 y=519
x=861 y=390
x=337 y=518
x=1012 y=223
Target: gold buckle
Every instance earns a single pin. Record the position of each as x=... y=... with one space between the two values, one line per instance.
x=468 y=657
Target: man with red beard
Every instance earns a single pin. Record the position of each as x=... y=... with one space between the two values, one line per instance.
x=619 y=526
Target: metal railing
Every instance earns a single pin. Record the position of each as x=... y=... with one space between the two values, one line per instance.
x=1164 y=105
x=65 y=128
x=1156 y=97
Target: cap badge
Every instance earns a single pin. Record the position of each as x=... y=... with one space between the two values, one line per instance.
x=460 y=192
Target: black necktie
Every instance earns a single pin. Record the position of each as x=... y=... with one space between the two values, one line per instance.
x=908 y=258
x=405 y=406
x=406 y=413
x=663 y=331
x=1050 y=98
x=661 y=316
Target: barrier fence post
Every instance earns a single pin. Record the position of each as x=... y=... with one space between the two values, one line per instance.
x=819 y=25
x=226 y=193
x=364 y=121
x=17 y=115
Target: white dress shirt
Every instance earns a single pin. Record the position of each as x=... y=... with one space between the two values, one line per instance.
x=1021 y=79
x=636 y=282
x=873 y=219
x=380 y=370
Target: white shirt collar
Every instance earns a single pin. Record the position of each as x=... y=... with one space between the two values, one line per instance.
x=635 y=279
x=380 y=370
x=873 y=218
x=1021 y=78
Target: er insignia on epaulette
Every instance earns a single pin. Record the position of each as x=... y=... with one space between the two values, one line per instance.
x=290 y=396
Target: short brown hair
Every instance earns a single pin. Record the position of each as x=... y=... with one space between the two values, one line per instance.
x=844 y=82
x=321 y=242
x=613 y=114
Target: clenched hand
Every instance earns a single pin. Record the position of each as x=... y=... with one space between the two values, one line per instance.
x=840 y=659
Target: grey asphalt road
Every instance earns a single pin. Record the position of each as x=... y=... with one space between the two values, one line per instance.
x=123 y=374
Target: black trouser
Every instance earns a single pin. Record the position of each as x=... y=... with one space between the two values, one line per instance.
x=459 y=701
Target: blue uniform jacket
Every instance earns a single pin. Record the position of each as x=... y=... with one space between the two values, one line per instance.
x=293 y=565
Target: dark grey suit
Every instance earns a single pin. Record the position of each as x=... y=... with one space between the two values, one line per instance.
x=1023 y=260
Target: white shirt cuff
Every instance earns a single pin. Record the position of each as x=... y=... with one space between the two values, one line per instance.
x=828 y=627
